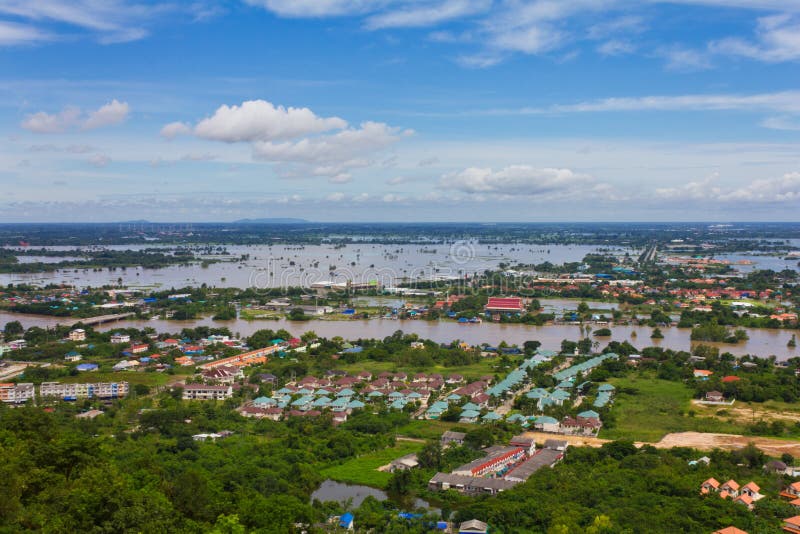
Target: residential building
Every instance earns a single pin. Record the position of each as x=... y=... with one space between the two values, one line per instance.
x=206 y=392
x=16 y=393
x=730 y=487
x=451 y=438
x=72 y=356
x=473 y=526
x=119 y=338
x=226 y=374
x=508 y=305
x=139 y=348
x=710 y=485
x=71 y=392
x=792 y=524
x=79 y=334
x=409 y=461
x=496 y=459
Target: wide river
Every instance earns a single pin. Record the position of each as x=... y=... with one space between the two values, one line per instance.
x=762 y=342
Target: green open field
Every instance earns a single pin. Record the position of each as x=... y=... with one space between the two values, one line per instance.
x=132 y=377
x=476 y=370
x=658 y=408
x=363 y=469
x=252 y=315
x=424 y=429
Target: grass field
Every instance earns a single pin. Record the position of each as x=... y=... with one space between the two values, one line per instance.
x=658 y=408
x=424 y=429
x=364 y=469
x=473 y=371
x=131 y=377
x=254 y=315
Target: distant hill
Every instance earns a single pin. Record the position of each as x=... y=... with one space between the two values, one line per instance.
x=275 y=220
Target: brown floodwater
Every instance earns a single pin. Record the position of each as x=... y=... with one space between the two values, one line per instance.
x=763 y=342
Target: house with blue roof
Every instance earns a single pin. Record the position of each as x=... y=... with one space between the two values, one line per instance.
x=346 y=521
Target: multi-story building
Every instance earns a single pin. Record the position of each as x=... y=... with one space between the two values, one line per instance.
x=205 y=392
x=79 y=334
x=70 y=392
x=118 y=337
x=16 y=393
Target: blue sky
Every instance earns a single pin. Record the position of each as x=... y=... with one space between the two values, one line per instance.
x=373 y=110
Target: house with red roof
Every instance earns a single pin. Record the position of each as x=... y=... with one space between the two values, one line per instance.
x=730 y=379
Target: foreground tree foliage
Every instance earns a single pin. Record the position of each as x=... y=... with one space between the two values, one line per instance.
x=137 y=469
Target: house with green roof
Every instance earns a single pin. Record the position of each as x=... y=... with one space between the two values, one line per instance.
x=491 y=417
x=469 y=416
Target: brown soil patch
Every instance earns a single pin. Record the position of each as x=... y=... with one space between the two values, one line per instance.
x=708 y=441
x=704 y=441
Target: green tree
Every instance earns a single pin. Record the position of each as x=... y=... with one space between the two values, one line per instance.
x=13 y=330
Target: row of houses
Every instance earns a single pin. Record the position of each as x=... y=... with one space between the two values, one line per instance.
x=746 y=495
x=22 y=393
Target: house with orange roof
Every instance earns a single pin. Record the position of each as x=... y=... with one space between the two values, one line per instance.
x=729 y=530
x=792 y=524
x=702 y=374
x=732 y=487
x=744 y=499
x=730 y=378
x=795 y=503
x=184 y=361
x=752 y=489
x=792 y=491
x=709 y=485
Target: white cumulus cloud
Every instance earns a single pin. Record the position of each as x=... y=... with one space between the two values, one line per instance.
x=259 y=120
